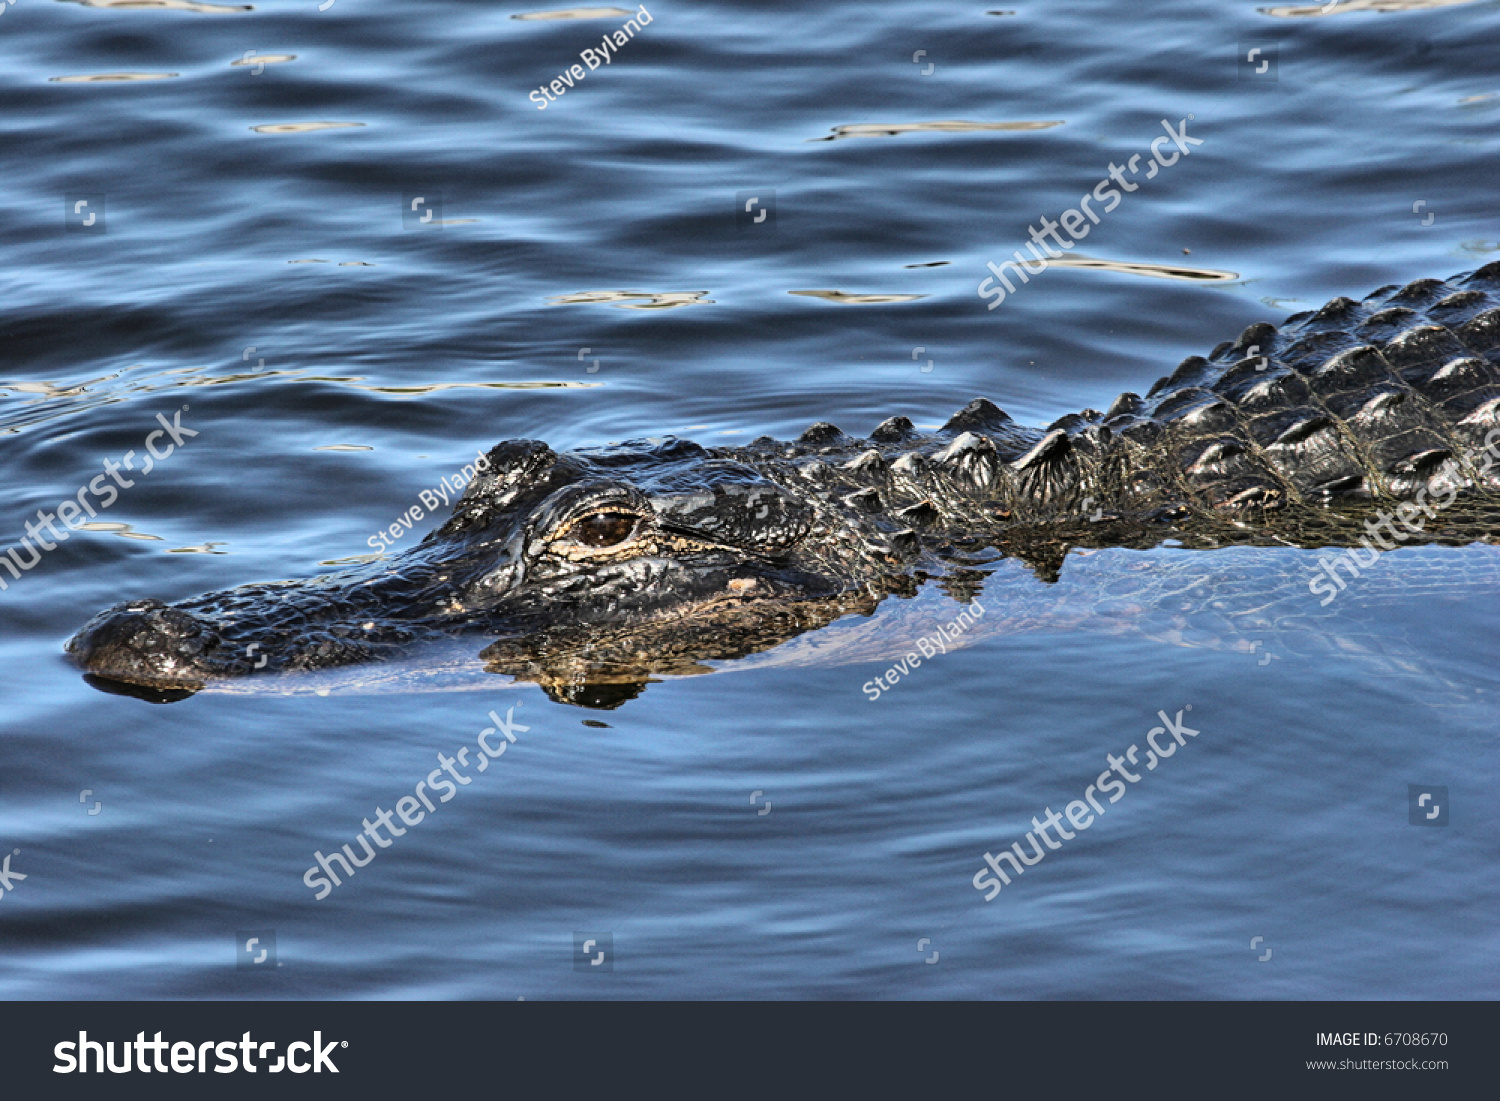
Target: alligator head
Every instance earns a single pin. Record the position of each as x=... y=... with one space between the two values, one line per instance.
x=586 y=570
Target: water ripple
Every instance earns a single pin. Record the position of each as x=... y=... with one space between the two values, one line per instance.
x=575 y=13
x=891 y=129
x=1160 y=271
x=859 y=299
x=300 y=127
x=635 y=300
x=1344 y=7
x=96 y=78
x=253 y=58
x=168 y=5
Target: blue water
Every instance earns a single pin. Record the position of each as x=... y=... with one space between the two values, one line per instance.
x=591 y=281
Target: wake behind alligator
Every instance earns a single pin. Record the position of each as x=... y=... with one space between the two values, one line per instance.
x=1370 y=424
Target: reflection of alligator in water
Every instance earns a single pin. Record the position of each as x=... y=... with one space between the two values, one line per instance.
x=588 y=571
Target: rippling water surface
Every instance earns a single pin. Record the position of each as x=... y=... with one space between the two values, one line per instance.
x=258 y=259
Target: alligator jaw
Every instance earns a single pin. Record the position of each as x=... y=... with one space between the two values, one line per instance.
x=146 y=644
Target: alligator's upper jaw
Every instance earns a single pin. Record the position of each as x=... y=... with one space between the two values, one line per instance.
x=146 y=643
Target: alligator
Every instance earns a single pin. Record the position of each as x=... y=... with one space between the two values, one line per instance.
x=587 y=571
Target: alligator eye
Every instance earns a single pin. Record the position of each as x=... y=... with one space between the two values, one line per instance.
x=604 y=529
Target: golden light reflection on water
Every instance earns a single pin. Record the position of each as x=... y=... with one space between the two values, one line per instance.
x=101 y=78
x=124 y=531
x=575 y=13
x=265 y=59
x=344 y=447
x=858 y=299
x=1315 y=11
x=352 y=560
x=44 y=391
x=416 y=391
x=168 y=5
x=891 y=129
x=57 y=389
x=300 y=127
x=201 y=548
x=635 y=300
x=1159 y=271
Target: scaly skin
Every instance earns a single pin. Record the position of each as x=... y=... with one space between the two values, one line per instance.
x=1293 y=435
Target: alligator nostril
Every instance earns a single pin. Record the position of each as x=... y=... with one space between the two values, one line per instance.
x=145 y=642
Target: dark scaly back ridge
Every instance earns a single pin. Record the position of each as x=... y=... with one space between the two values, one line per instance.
x=1360 y=399
x=1357 y=400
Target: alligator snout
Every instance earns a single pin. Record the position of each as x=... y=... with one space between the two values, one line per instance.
x=146 y=642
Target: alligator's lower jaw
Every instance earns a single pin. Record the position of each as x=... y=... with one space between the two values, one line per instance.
x=145 y=644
